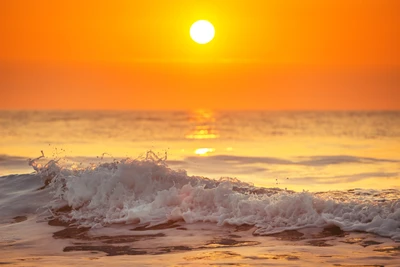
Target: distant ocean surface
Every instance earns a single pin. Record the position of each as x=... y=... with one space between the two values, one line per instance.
x=313 y=151
x=203 y=179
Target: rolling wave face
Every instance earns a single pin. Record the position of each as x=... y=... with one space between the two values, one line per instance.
x=19 y=195
x=148 y=192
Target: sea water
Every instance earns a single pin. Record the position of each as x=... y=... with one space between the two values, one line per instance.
x=200 y=187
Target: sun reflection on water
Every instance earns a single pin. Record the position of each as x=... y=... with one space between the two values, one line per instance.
x=204 y=151
x=203 y=122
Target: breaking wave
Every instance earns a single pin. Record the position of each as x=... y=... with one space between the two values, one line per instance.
x=146 y=191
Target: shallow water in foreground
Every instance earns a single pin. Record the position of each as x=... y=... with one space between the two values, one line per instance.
x=29 y=243
x=143 y=213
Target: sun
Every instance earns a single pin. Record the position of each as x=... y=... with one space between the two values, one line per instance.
x=202 y=31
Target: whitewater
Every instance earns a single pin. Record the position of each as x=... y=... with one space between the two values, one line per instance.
x=147 y=192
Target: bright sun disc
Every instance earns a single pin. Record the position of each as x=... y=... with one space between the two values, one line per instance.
x=202 y=31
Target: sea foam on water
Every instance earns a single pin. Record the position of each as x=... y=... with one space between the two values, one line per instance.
x=147 y=192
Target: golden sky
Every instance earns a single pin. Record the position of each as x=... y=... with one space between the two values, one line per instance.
x=266 y=54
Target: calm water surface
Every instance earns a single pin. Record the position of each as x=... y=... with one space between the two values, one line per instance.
x=315 y=151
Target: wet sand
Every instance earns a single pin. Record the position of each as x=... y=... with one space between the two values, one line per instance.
x=175 y=243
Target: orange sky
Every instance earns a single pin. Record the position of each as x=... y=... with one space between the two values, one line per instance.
x=292 y=54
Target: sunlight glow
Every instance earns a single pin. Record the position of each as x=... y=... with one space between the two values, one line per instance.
x=202 y=31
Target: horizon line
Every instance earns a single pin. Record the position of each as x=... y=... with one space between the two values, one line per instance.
x=198 y=109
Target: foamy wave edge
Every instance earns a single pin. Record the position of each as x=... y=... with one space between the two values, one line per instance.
x=147 y=192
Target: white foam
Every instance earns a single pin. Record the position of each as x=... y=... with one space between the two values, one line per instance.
x=144 y=191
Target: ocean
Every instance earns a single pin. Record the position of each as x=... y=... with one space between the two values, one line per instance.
x=200 y=188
